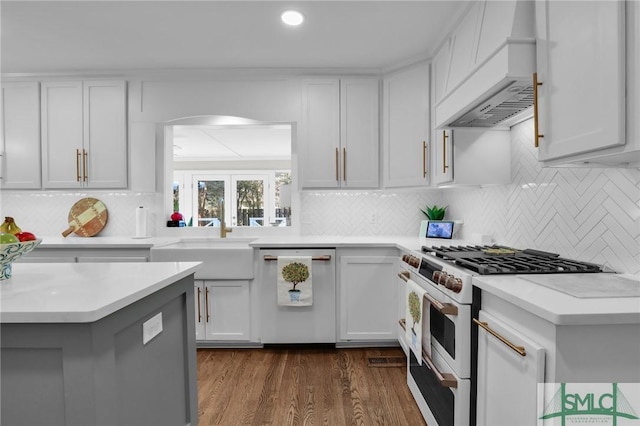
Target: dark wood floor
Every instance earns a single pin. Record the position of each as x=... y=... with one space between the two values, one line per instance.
x=302 y=385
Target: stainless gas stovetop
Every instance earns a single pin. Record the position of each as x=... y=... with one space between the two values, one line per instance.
x=491 y=260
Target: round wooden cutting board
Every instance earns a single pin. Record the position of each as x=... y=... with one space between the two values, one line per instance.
x=87 y=217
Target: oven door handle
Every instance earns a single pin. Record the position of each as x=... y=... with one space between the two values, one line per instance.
x=443 y=308
x=447 y=380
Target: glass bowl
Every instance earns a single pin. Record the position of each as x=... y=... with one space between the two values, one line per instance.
x=11 y=251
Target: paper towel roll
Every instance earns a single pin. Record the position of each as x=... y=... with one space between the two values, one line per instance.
x=141 y=222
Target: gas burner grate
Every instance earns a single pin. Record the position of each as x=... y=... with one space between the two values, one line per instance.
x=490 y=260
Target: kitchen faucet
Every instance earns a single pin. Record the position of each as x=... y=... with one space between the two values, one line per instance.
x=223 y=226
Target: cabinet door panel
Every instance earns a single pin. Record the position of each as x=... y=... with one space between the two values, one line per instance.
x=105 y=134
x=368 y=292
x=507 y=381
x=406 y=128
x=21 y=135
x=321 y=133
x=359 y=133
x=581 y=64
x=228 y=310
x=62 y=134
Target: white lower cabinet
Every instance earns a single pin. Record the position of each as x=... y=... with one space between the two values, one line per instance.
x=367 y=295
x=572 y=352
x=223 y=310
x=508 y=375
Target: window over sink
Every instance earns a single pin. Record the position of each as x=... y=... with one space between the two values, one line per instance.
x=228 y=167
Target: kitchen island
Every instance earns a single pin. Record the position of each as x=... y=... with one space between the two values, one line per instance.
x=98 y=344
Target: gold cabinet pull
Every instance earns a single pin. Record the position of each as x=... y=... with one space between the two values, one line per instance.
x=344 y=164
x=206 y=302
x=536 y=83
x=444 y=151
x=446 y=379
x=424 y=159
x=337 y=165
x=518 y=349
x=199 y=313
x=77 y=165
x=443 y=308
x=84 y=166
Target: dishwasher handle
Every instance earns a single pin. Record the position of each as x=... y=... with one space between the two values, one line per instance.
x=323 y=258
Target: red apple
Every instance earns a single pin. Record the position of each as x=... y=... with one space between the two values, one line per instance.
x=177 y=216
x=25 y=236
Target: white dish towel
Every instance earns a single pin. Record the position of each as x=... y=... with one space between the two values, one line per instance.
x=295 y=281
x=415 y=319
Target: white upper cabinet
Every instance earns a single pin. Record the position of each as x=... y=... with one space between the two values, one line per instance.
x=581 y=68
x=406 y=127
x=84 y=134
x=339 y=133
x=466 y=156
x=21 y=135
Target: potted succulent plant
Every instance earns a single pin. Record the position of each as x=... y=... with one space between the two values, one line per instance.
x=434 y=212
x=295 y=273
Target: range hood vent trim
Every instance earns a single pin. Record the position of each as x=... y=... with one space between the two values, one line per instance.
x=504 y=106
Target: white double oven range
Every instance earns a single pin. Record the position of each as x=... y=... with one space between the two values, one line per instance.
x=443 y=384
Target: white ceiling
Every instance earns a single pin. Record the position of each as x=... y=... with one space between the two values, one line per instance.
x=97 y=36
x=232 y=143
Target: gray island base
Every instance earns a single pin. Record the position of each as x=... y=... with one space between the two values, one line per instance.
x=101 y=372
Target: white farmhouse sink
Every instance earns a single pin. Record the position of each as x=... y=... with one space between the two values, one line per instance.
x=223 y=258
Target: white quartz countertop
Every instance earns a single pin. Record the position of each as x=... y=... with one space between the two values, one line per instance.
x=402 y=242
x=103 y=242
x=559 y=307
x=82 y=292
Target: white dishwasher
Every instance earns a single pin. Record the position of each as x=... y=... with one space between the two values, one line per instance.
x=299 y=324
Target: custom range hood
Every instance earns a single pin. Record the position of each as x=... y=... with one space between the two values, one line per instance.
x=498 y=89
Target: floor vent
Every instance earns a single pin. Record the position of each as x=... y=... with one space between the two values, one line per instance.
x=385 y=361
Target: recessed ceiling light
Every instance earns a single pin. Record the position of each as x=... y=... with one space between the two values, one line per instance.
x=292 y=17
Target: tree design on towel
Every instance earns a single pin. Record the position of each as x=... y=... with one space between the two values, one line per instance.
x=295 y=273
x=414 y=309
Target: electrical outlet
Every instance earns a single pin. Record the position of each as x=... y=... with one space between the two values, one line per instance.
x=373 y=218
x=151 y=328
